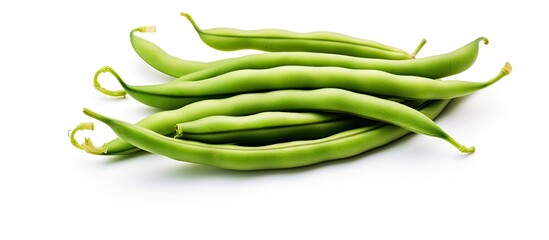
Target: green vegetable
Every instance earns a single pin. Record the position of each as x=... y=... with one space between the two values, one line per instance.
x=326 y=99
x=173 y=95
x=438 y=66
x=276 y=40
x=267 y=127
x=283 y=155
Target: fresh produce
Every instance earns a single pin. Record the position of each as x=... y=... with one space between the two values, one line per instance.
x=277 y=40
x=282 y=155
x=174 y=95
x=437 y=66
x=312 y=97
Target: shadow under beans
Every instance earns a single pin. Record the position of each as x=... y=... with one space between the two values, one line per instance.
x=451 y=107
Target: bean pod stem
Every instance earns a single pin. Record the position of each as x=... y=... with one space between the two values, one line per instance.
x=98 y=87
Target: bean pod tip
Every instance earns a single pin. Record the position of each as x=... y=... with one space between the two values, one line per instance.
x=484 y=40
x=467 y=150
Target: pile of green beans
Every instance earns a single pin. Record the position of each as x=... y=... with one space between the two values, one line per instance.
x=308 y=98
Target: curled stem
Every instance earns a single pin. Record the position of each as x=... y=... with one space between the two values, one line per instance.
x=97 y=85
x=87 y=145
x=81 y=126
x=485 y=40
x=418 y=48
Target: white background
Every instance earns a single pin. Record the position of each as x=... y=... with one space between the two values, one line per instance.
x=416 y=188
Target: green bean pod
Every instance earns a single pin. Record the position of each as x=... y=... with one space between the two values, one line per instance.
x=326 y=100
x=276 y=40
x=271 y=127
x=283 y=155
x=432 y=67
x=265 y=136
x=222 y=123
x=159 y=59
x=267 y=127
x=437 y=66
x=173 y=95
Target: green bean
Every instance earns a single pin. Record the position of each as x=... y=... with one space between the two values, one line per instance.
x=276 y=40
x=159 y=59
x=222 y=123
x=432 y=67
x=283 y=155
x=266 y=127
x=244 y=131
x=173 y=66
x=437 y=66
x=326 y=99
x=177 y=94
x=271 y=127
x=164 y=100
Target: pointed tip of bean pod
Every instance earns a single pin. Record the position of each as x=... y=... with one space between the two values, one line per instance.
x=191 y=20
x=93 y=114
x=467 y=150
x=484 y=40
x=507 y=68
x=462 y=148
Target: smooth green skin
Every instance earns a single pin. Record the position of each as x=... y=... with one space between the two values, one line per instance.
x=173 y=95
x=432 y=67
x=276 y=40
x=437 y=66
x=159 y=59
x=221 y=123
x=284 y=133
x=283 y=155
x=326 y=99
x=271 y=127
